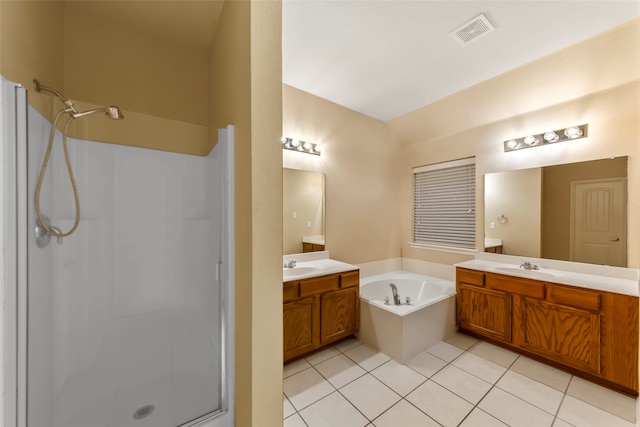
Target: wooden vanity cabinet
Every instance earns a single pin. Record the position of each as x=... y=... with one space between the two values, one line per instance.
x=311 y=247
x=565 y=331
x=593 y=334
x=318 y=311
x=484 y=311
x=301 y=321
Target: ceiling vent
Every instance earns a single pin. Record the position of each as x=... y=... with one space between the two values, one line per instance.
x=472 y=30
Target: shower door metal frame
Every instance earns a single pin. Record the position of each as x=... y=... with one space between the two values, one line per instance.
x=225 y=276
x=14 y=117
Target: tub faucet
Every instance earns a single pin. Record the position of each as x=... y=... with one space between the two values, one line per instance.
x=396 y=297
x=290 y=264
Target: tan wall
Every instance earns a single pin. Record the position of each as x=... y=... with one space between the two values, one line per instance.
x=600 y=63
x=612 y=115
x=556 y=191
x=161 y=86
x=614 y=131
x=246 y=91
x=360 y=159
x=242 y=87
x=302 y=194
x=517 y=196
x=110 y=63
x=32 y=45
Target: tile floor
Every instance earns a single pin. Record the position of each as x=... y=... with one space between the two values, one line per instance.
x=458 y=382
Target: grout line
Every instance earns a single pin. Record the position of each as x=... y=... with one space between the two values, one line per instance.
x=493 y=385
x=426 y=379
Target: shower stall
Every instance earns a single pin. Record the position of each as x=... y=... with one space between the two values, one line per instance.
x=127 y=320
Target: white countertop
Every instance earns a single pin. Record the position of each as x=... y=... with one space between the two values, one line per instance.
x=619 y=285
x=307 y=269
x=316 y=240
x=492 y=243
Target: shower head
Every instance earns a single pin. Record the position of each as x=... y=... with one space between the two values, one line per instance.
x=112 y=112
x=40 y=88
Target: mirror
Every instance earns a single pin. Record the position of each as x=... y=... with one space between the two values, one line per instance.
x=570 y=212
x=303 y=211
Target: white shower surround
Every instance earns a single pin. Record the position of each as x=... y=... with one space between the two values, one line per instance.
x=142 y=303
x=402 y=332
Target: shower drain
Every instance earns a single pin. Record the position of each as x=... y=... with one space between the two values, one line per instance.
x=143 y=412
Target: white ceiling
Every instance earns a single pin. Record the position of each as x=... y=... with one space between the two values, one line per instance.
x=387 y=58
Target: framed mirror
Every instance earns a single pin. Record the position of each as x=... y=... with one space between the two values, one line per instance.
x=303 y=222
x=570 y=212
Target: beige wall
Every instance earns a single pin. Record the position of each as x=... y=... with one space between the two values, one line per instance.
x=603 y=62
x=614 y=131
x=246 y=91
x=32 y=45
x=162 y=86
x=612 y=115
x=360 y=159
x=238 y=82
x=368 y=163
x=106 y=63
x=517 y=196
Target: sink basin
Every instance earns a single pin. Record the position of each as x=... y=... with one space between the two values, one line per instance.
x=521 y=271
x=299 y=271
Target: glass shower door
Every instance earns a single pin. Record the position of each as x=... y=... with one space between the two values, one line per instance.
x=125 y=325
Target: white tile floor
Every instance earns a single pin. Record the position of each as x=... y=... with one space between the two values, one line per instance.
x=458 y=382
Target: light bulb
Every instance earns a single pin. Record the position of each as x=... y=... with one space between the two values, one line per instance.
x=530 y=140
x=283 y=139
x=307 y=145
x=295 y=143
x=573 y=132
x=512 y=143
x=551 y=137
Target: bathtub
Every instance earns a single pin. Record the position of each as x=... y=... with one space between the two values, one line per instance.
x=402 y=332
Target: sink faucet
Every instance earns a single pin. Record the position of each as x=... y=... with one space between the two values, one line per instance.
x=396 y=297
x=529 y=266
x=290 y=264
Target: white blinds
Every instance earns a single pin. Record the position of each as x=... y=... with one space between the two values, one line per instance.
x=444 y=204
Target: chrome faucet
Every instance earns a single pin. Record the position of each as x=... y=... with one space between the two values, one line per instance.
x=290 y=264
x=396 y=297
x=529 y=266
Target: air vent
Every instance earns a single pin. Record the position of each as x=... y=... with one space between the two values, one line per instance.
x=472 y=30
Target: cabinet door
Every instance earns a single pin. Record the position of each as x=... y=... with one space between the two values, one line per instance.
x=569 y=335
x=484 y=311
x=340 y=314
x=301 y=321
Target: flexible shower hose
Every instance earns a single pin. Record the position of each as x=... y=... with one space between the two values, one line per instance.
x=69 y=170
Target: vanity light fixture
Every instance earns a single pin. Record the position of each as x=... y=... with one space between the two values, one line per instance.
x=546 y=138
x=300 y=146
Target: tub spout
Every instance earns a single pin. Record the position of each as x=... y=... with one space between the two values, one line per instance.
x=396 y=297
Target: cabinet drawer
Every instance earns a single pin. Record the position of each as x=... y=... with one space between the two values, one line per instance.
x=470 y=277
x=568 y=295
x=529 y=288
x=318 y=285
x=290 y=291
x=349 y=279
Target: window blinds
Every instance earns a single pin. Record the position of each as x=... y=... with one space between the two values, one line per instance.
x=445 y=204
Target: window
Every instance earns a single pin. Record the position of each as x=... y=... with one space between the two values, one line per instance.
x=445 y=204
